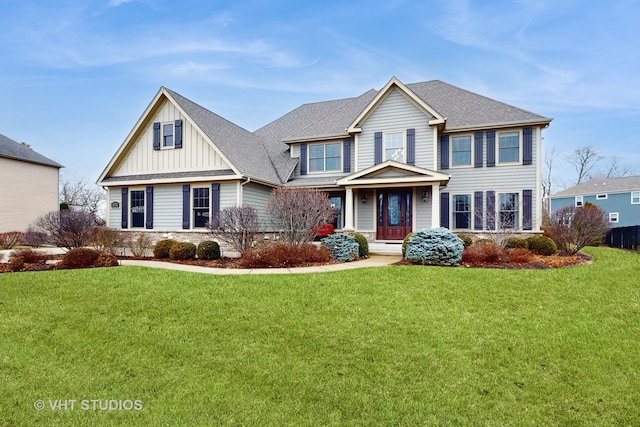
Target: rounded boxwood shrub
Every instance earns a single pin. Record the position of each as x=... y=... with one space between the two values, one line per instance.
x=542 y=245
x=208 y=249
x=405 y=242
x=466 y=240
x=342 y=247
x=182 y=250
x=435 y=246
x=516 y=243
x=362 y=243
x=163 y=247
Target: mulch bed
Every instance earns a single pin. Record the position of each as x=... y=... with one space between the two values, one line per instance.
x=537 y=262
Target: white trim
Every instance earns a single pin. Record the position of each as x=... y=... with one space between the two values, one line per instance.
x=452 y=210
x=497 y=211
x=578 y=201
x=385 y=134
x=472 y=143
x=637 y=197
x=192 y=214
x=325 y=170
x=602 y=196
x=613 y=215
x=420 y=176
x=520 y=143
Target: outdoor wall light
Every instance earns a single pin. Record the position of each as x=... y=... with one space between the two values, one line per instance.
x=364 y=198
x=425 y=196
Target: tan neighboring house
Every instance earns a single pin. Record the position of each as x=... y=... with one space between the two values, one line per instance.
x=29 y=185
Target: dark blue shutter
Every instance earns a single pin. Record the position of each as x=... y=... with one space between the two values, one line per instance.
x=346 y=155
x=444 y=152
x=377 y=146
x=444 y=209
x=491 y=210
x=303 y=159
x=479 y=145
x=178 y=133
x=149 y=207
x=491 y=148
x=527 y=146
x=215 y=204
x=125 y=207
x=527 y=209
x=411 y=147
x=186 y=206
x=156 y=136
x=478 y=216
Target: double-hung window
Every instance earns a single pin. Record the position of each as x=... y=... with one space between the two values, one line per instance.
x=461 y=151
x=167 y=135
x=635 y=197
x=462 y=211
x=614 y=217
x=200 y=207
x=394 y=147
x=509 y=211
x=325 y=157
x=508 y=147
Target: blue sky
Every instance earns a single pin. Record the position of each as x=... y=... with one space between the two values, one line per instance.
x=77 y=75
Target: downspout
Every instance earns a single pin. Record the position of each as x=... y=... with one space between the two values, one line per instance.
x=248 y=180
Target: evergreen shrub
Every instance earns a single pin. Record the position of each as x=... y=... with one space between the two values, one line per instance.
x=435 y=246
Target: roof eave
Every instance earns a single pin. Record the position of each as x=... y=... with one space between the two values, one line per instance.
x=544 y=122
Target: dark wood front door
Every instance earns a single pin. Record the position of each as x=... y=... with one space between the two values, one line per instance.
x=394 y=214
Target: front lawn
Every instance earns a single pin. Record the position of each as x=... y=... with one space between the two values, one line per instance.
x=399 y=345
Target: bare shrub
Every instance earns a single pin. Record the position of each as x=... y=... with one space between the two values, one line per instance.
x=35 y=238
x=237 y=226
x=282 y=255
x=573 y=228
x=295 y=213
x=480 y=253
x=140 y=244
x=10 y=239
x=108 y=239
x=519 y=255
x=68 y=228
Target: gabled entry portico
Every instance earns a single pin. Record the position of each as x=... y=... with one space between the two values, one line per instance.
x=393 y=190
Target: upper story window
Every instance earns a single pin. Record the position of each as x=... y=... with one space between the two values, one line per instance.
x=325 y=157
x=601 y=196
x=635 y=197
x=167 y=135
x=461 y=151
x=508 y=147
x=579 y=201
x=614 y=217
x=394 y=146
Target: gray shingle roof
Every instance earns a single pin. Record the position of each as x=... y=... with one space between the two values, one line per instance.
x=14 y=150
x=168 y=175
x=245 y=150
x=601 y=186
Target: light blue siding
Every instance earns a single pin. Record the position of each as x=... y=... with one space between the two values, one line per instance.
x=256 y=196
x=114 y=215
x=364 y=211
x=422 y=217
x=628 y=214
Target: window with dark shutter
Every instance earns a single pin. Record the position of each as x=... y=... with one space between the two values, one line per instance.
x=527 y=146
x=491 y=210
x=215 y=204
x=178 y=133
x=346 y=155
x=125 y=207
x=444 y=152
x=186 y=210
x=411 y=147
x=478 y=215
x=491 y=148
x=527 y=209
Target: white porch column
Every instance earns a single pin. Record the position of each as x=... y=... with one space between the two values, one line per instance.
x=348 y=210
x=435 y=205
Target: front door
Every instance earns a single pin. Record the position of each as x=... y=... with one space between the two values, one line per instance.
x=394 y=214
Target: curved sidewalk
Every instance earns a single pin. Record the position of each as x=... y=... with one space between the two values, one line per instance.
x=372 y=261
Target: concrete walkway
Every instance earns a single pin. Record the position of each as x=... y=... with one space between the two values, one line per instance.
x=372 y=261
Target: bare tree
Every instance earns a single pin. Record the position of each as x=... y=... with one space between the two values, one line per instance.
x=82 y=195
x=584 y=159
x=238 y=226
x=295 y=213
x=618 y=169
x=547 y=182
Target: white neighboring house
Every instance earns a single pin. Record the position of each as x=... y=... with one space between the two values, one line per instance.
x=29 y=186
x=393 y=160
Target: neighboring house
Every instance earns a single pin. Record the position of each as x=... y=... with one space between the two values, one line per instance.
x=29 y=185
x=619 y=197
x=392 y=161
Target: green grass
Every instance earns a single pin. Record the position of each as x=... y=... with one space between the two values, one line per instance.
x=384 y=346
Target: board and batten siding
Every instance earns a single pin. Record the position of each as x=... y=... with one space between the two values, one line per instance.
x=196 y=153
x=28 y=190
x=395 y=114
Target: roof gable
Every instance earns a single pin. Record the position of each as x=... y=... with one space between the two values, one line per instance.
x=390 y=172
x=11 y=149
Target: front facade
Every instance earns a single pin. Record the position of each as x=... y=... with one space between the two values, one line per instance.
x=392 y=161
x=29 y=185
x=618 y=197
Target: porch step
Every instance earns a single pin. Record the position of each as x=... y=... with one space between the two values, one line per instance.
x=376 y=248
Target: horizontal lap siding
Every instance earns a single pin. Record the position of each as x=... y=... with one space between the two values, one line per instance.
x=397 y=113
x=228 y=194
x=114 y=215
x=422 y=211
x=364 y=211
x=167 y=207
x=256 y=196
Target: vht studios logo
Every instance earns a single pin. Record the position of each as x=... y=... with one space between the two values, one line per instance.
x=88 y=405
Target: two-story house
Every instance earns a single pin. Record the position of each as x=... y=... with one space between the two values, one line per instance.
x=618 y=197
x=29 y=186
x=392 y=161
